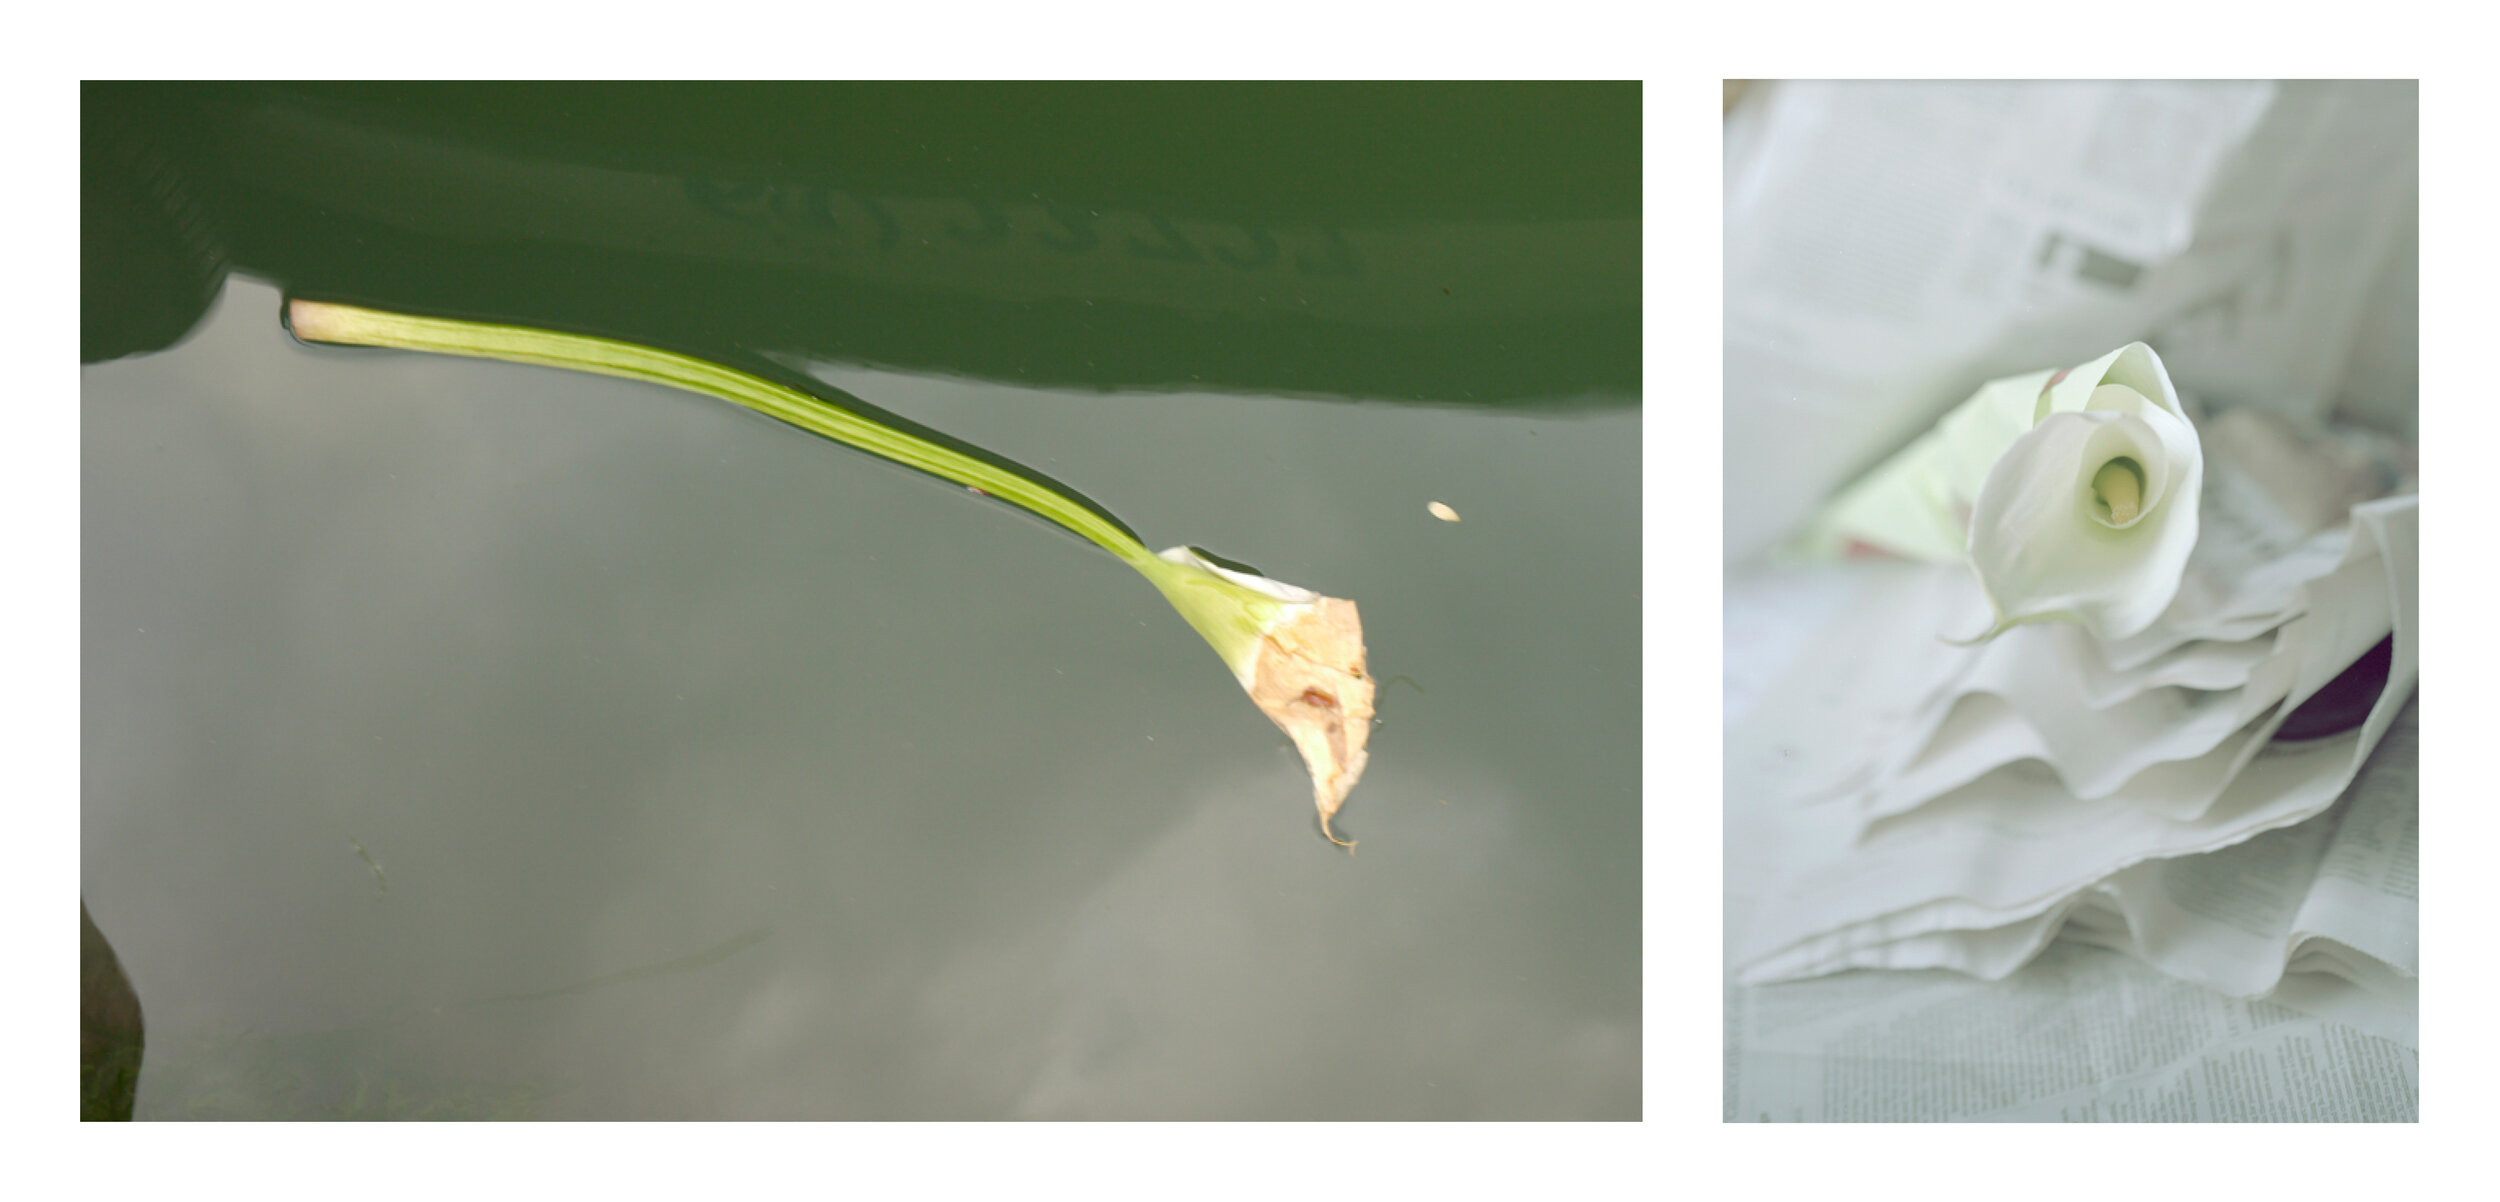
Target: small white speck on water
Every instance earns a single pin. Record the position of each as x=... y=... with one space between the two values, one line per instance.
x=1441 y=511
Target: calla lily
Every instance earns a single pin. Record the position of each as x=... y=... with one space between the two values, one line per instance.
x=2073 y=494
x=1298 y=654
x=2089 y=516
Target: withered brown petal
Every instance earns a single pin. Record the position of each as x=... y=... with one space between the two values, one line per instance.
x=1311 y=681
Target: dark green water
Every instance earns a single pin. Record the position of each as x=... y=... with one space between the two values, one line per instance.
x=715 y=770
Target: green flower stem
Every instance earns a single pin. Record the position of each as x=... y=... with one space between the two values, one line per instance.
x=1231 y=611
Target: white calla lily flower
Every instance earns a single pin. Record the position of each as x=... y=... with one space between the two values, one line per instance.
x=2073 y=495
x=2090 y=515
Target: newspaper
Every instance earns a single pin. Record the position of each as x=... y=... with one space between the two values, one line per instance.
x=2219 y=657
x=1979 y=878
x=2102 y=886
x=2324 y=915
x=2081 y=1035
x=2046 y=696
x=1891 y=246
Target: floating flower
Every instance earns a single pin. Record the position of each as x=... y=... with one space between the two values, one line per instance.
x=1298 y=654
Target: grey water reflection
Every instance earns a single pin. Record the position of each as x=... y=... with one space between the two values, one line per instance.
x=603 y=676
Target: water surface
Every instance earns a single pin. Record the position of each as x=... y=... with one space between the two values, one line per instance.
x=750 y=777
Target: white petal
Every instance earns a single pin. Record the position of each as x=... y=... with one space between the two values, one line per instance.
x=2044 y=548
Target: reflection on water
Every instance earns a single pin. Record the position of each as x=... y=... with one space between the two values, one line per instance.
x=1471 y=244
x=604 y=673
x=700 y=960
x=1141 y=1002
